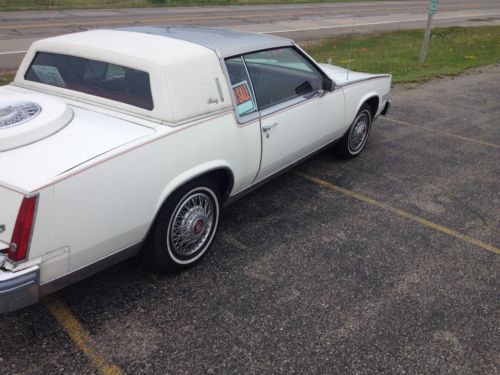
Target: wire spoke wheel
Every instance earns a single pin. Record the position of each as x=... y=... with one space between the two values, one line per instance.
x=185 y=226
x=359 y=132
x=191 y=224
x=354 y=140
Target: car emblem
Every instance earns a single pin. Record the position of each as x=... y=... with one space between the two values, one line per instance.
x=2 y=228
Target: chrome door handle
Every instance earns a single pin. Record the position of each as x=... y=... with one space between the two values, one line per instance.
x=267 y=127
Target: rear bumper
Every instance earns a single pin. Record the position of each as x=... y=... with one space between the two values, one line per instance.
x=19 y=289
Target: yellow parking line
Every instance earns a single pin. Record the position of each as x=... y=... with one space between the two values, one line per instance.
x=417 y=219
x=442 y=132
x=80 y=337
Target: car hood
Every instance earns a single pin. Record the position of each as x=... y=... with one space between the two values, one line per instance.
x=340 y=75
x=45 y=147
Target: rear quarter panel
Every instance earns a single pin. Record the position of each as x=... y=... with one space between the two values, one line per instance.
x=110 y=204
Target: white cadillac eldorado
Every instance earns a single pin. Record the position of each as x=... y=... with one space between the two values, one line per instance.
x=115 y=141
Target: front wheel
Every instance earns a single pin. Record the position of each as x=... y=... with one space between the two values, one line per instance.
x=354 y=141
x=185 y=227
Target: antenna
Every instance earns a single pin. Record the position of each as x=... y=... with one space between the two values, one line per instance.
x=350 y=43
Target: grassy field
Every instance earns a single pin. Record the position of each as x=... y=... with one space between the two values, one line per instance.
x=6 y=77
x=9 y=5
x=452 y=50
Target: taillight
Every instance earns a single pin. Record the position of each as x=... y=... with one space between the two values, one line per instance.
x=21 y=235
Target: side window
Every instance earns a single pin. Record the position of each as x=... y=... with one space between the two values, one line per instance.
x=281 y=74
x=240 y=83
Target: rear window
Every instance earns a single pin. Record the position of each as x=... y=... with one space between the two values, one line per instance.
x=98 y=78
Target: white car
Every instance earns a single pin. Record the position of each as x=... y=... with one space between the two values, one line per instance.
x=115 y=141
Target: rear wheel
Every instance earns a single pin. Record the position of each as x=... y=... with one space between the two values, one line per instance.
x=185 y=226
x=354 y=141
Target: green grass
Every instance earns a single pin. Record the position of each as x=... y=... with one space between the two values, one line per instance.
x=6 y=77
x=451 y=51
x=10 y=5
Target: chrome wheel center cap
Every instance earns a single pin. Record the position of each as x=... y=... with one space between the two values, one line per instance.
x=361 y=129
x=193 y=223
x=198 y=226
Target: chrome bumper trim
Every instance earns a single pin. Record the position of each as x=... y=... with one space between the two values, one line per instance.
x=19 y=289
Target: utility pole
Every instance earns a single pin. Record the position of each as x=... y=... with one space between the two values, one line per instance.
x=433 y=8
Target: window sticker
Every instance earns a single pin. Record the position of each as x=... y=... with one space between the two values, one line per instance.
x=49 y=75
x=244 y=101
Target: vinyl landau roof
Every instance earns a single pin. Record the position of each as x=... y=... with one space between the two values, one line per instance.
x=226 y=42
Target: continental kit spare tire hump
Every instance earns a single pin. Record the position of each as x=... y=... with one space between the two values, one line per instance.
x=27 y=118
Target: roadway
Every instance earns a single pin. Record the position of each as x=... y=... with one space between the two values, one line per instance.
x=298 y=21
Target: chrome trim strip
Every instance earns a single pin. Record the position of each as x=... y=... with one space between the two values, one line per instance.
x=219 y=89
x=245 y=120
x=290 y=104
x=29 y=281
x=379 y=76
x=19 y=289
x=250 y=82
x=282 y=106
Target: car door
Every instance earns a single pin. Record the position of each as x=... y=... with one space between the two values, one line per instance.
x=297 y=116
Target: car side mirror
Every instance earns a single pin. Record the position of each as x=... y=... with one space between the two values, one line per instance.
x=327 y=84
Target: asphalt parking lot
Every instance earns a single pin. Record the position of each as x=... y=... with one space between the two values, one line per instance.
x=383 y=264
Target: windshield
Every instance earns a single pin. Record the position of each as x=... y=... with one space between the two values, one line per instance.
x=98 y=78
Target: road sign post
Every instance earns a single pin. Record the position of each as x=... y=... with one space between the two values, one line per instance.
x=433 y=8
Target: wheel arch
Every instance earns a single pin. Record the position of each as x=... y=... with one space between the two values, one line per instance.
x=219 y=170
x=373 y=99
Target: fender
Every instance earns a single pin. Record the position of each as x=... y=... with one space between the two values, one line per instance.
x=365 y=98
